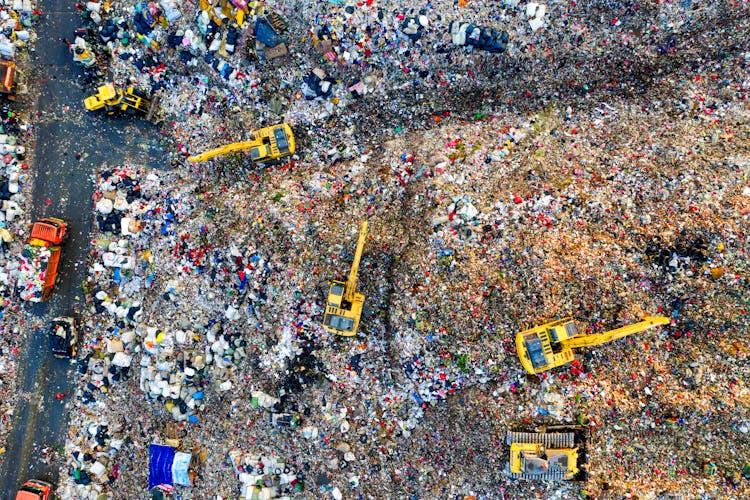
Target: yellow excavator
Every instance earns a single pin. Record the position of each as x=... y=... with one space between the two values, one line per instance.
x=268 y=143
x=551 y=345
x=344 y=305
x=544 y=456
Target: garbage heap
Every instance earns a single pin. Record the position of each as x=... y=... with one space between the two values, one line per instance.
x=32 y=270
x=265 y=476
x=91 y=459
x=12 y=181
x=155 y=39
x=452 y=316
x=17 y=19
x=163 y=297
x=547 y=214
x=304 y=65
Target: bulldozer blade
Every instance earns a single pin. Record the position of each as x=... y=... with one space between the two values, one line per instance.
x=549 y=440
x=547 y=476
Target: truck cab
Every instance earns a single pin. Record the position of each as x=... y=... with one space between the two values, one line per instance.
x=63 y=337
x=34 y=489
x=51 y=230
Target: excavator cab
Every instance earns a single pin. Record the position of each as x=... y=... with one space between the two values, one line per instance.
x=344 y=305
x=284 y=139
x=342 y=316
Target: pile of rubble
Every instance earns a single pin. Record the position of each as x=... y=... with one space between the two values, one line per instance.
x=210 y=280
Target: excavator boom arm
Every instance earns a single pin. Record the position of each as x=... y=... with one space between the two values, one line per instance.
x=268 y=143
x=618 y=333
x=222 y=150
x=351 y=283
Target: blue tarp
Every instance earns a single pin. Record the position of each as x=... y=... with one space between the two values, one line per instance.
x=160 y=465
x=265 y=33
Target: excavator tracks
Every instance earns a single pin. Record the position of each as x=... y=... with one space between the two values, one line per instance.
x=548 y=476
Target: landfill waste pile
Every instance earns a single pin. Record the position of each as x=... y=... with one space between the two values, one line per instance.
x=17 y=35
x=31 y=272
x=516 y=162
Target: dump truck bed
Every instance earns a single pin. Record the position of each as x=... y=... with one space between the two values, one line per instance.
x=40 y=259
x=50 y=274
x=7 y=75
x=38 y=271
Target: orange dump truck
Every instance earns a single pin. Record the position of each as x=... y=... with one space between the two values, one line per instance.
x=34 y=489
x=40 y=258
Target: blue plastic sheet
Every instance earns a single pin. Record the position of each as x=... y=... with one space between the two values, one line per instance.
x=160 y=465
x=180 y=468
x=265 y=33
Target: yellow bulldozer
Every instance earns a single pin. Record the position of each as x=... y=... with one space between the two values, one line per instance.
x=344 y=304
x=551 y=344
x=130 y=100
x=268 y=143
x=543 y=456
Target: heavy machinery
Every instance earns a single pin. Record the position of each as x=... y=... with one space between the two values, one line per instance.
x=34 y=489
x=545 y=456
x=344 y=305
x=131 y=101
x=7 y=76
x=40 y=259
x=63 y=337
x=551 y=345
x=268 y=143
